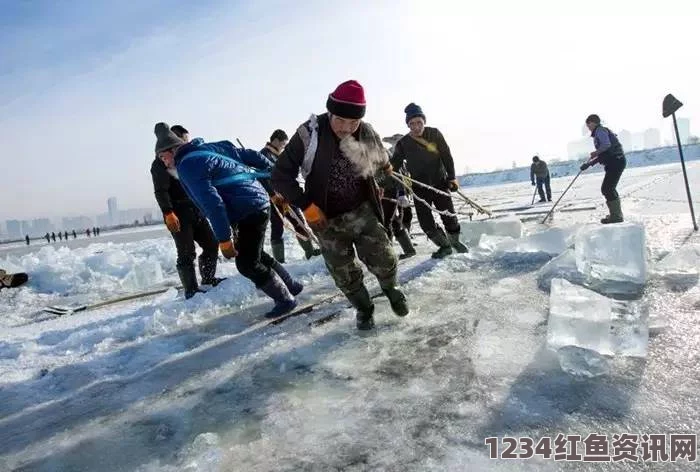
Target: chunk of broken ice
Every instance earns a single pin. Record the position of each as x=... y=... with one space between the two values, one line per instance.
x=578 y=317
x=471 y=231
x=561 y=267
x=680 y=269
x=613 y=258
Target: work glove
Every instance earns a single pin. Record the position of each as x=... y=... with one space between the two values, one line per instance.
x=585 y=166
x=172 y=222
x=228 y=250
x=453 y=185
x=315 y=217
x=533 y=183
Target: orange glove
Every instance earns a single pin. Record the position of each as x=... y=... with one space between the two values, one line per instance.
x=227 y=249
x=388 y=168
x=172 y=222
x=315 y=217
x=453 y=185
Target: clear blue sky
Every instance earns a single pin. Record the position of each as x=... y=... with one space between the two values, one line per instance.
x=83 y=82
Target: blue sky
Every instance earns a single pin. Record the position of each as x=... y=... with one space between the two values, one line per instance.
x=83 y=82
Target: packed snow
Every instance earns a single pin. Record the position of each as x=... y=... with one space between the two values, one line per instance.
x=516 y=338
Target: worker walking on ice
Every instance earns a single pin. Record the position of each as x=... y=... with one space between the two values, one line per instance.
x=540 y=172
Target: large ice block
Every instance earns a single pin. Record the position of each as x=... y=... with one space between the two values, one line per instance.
x=561 y=267
x=613 y=258
x=680 y=269
x=578 y=317
x=471 y=231
x=552 y=241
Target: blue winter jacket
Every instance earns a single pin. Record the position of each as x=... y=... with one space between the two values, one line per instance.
x=222 y=181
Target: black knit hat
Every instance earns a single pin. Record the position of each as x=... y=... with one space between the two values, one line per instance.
x=165 y=138
x=412 y=110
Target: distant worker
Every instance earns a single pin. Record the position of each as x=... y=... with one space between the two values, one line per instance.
x=609 y=153
x=26 y=238
x=539 y=170
x=47 y=236
x=53 y=236
x=65 y=235
x=60 y=236
x=75 y=236
x=87 y=232
x=97 y=230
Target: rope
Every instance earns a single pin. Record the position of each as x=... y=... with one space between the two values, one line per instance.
x=301 y=222
x=289 y=225
x=466 y=199
x=418 y=199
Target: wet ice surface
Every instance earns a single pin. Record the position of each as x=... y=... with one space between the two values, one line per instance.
x=167 y=385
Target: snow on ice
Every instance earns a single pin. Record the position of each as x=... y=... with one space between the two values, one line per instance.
x=163 y=384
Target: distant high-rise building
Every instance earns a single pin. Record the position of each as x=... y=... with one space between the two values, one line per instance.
x=625 y=138
x=684 y=129
x=112 y=211
x=104 y=220
x=41 y=226
x=580 y=149
x=14 y=229
x=26 y=228
x=78 y=223
x=652 y=138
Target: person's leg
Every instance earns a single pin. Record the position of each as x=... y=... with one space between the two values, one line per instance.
x=540 y=189
x=276 y=235
x=548 y=188
x=184 y=242
x=204 y=236
x=451 y=223
x=613 y=172
x=426 y=221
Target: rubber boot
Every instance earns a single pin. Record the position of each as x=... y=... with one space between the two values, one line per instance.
x=278 y=251
x=308 y=247
x=294 y=286
x=365 y=308
x=278 y=291
x=188 y=278
x=406 y=245
x=615 y=210
x=458 y=245
x=441 y=241
x=207 y=269
x=397 y=300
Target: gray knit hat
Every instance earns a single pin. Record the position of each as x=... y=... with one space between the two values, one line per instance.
x=165 y=138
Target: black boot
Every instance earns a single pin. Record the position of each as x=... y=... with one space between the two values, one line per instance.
x=406 y=245
x=308 y=247
x=458 y=245
x=207 y=269
x=294 y=286
x=397 y=300
x=277 y=290
x=365 y=308
x=12 y=280
x=278 y=251
x=440 y=239
x=188 y=278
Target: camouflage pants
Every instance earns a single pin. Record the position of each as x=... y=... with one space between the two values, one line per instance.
x=358 y=229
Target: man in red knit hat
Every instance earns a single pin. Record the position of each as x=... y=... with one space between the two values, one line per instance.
x=338 y=156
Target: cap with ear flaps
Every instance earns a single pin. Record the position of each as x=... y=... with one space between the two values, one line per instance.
x=165 y=138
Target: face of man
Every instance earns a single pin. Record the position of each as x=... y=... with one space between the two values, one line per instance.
x=591 y=126
x=168 y=158
x=279 y=144
x=344 y=127
x=416 y=125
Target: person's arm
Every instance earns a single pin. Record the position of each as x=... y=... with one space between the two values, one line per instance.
x=286 y=171
x=602 y=138
x=196 y=180
x=445 y=155
x=161 y=186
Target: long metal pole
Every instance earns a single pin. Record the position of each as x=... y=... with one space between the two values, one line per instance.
x=685 y=175
x=560 y=197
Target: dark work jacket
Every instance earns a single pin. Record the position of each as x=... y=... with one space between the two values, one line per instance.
x=286 y=170
x=432 y=168
x=614 y=152
x=169 y=192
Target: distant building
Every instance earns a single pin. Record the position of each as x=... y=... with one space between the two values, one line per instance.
x=77 y=223
x=580 y=149
x=104 y=220
x=625 y=138
x=684 y=129
x=26 y=228
x=41 y=226
x=14 y=229
x=652 y=138
x=112 y=211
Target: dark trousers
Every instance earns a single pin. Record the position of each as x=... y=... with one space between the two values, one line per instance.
x=392 y=222
x=544 y=182
x=613 y=172
x=407 y=218
x=441 y=203
x=194 y=228
x=252 y=261
x=277 y=225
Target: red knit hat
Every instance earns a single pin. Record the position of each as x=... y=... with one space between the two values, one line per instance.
x=347 y=101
